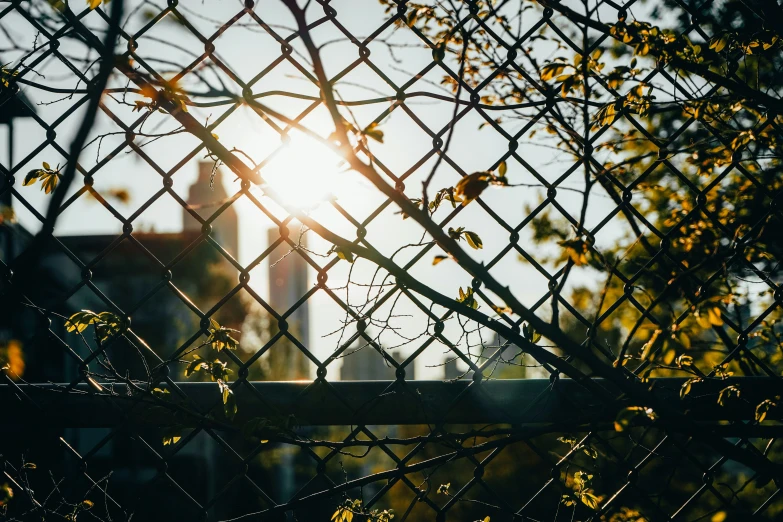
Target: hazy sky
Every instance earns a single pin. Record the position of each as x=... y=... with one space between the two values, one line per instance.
x=306 y=171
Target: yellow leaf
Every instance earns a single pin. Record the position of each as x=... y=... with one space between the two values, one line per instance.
x=713 y=314
x=372 y=131
x=718 y=43
x=92 y=4
x=438 y=259
x=473 y=240
x=502 y=168
x=589 y=500
x=720 y=516
x=471 y=186
x=627 y=415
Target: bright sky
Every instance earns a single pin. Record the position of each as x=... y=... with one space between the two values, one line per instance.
x=304 y=172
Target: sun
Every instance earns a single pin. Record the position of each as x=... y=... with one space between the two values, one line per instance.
x=305 y=173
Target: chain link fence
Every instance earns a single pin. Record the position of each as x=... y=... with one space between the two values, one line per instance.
x=347 y=325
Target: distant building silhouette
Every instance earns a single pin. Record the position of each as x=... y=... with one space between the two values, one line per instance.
x=366 y=364
x=287 y=286
x=205 y=197
x=157 y=279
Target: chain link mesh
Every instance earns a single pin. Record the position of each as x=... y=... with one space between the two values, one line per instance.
x=470 y=452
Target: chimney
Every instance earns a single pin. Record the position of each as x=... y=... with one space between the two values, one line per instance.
x=206 y=200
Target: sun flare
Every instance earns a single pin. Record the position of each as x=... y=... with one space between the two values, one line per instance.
x=306 y=173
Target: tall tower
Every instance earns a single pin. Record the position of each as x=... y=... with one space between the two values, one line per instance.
x=287 y=285
x=205 y=197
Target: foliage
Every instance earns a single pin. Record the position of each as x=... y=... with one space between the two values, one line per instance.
x=48 y=177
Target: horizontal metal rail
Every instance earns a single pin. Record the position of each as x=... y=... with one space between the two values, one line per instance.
x=562 y=402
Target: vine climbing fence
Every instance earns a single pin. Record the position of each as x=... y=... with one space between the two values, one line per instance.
x=529 y=253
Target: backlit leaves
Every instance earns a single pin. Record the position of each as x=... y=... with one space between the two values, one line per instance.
x=229 y=400
x=628 y=416
x=372 y=131
x=530 y=333
x=467 y=298
x=727 y=394
x=48 y=177
x=446 y=194
x=684 y=361
x=6 y=494
x=106 y=324
x=553 y=69
x=438 y=259
x=197 y=364
x=220 y=337
x=472 y=238
x=576 y=249
x=763 y=409
x=171 y=435
x=343 y=253
x=719 y=42
x=7 y=75
x=471 y=186
x=685 y=389
x=581 y=482
x=346 y=511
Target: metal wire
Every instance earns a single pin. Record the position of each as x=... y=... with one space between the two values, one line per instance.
x=519 y=466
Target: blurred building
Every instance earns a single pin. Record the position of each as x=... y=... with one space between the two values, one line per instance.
x=206 y=197
x=512 y=364
x=287 y=289
x=158 y=279
x=366 y=364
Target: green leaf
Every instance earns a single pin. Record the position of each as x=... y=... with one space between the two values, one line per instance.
x=220 y=337
x=106 y=324
x=229 y=400
x=466 y=298
x=530 y=333
x=195 y=365
x=473 y=240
